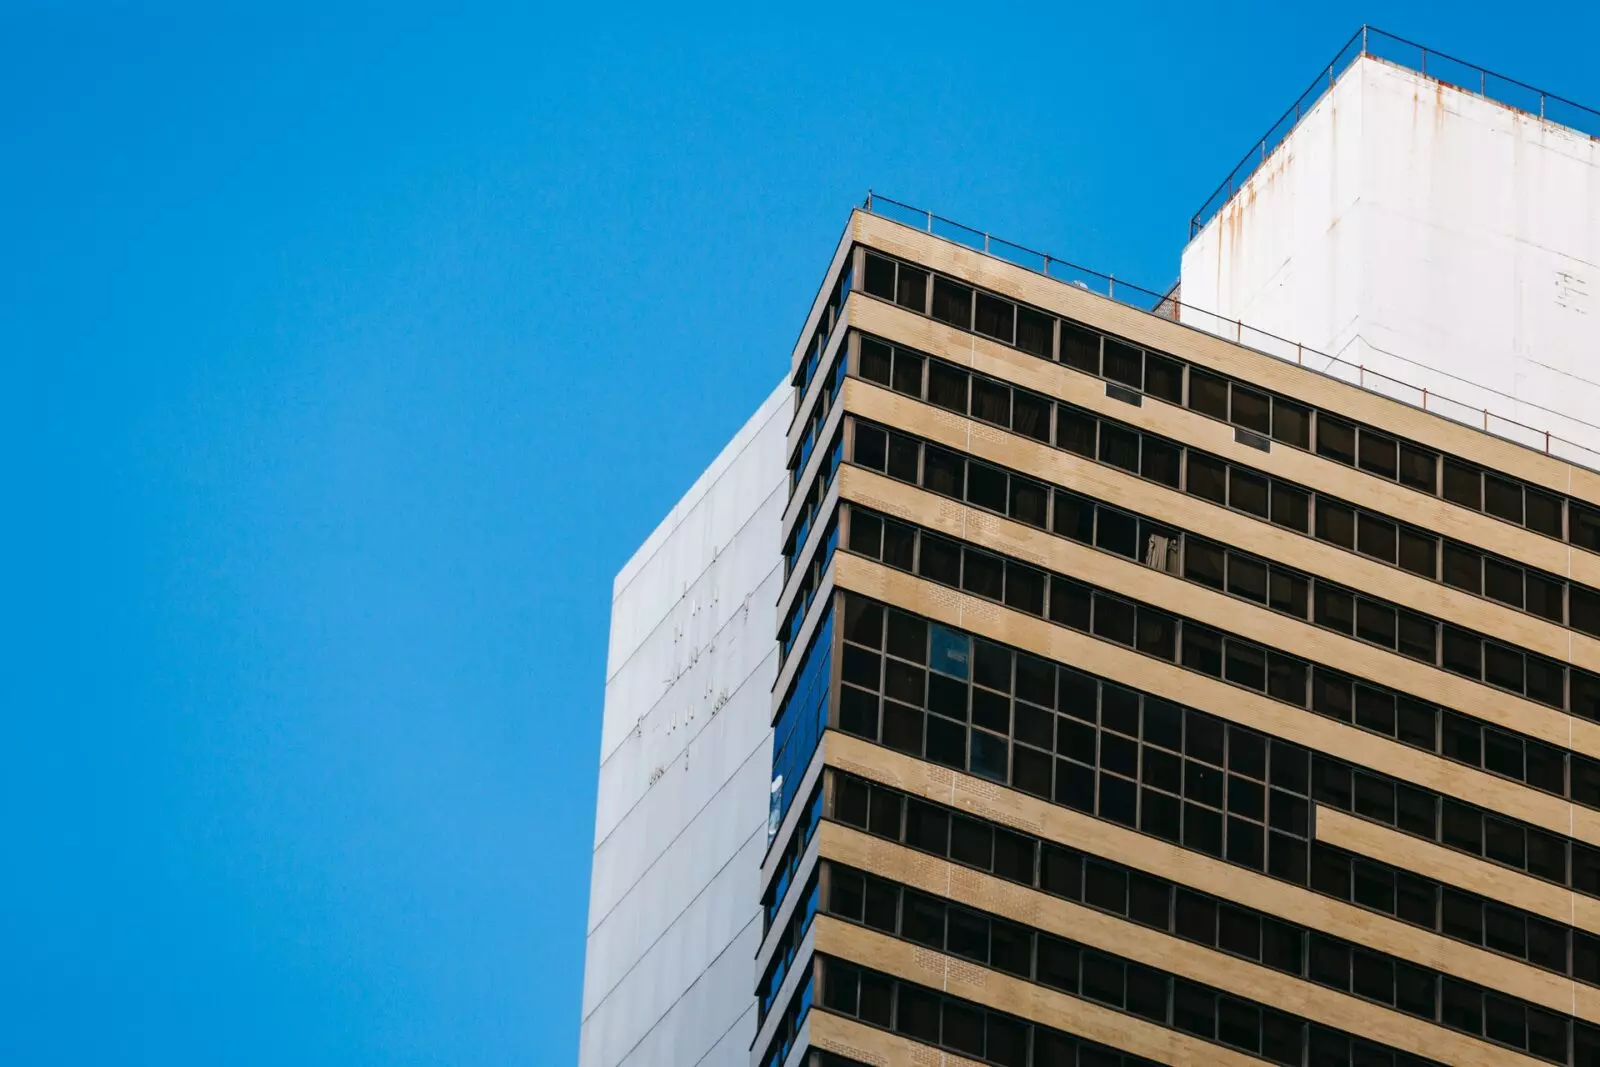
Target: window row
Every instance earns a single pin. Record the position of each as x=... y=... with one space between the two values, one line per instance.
x=930 y=729
x=1200 y=1011
x=816 y=419
x=1080 y=970
x=1241 y=488
x=832 y=314
x=972 y=481
x=1343 y=440
x=1380 y=622
x=814 y=495
x=1219 y=754
x=788 y=945
x=794 y=850
x=1328 y=692
x=788 y=1028
x=806 y=592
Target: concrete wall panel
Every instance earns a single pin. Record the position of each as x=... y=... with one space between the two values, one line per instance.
x=685 y=763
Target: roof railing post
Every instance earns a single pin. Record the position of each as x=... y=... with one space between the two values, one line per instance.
x=1363 y=39
x=1300 y=353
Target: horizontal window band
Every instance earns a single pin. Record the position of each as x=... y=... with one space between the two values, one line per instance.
x=1157 y=768
x=1372 y=450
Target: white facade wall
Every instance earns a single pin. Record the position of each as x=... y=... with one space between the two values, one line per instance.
x=1429 y=235
x=685 y=763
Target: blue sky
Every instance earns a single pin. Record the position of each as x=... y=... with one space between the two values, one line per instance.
x=348 y=355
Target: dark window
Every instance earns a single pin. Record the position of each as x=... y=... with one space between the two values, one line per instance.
x=1463 y=485
x=1583 y=526
x=1375 y=622
x=1163 y=378
x=1419 y=468
x=983 y=574
x=1375 y=537
x=1336 y=523
x=1160 y=461
x=1113 y=619
x=1543 y=596
x=1288 y=592
x=1542 y=511
x=944 y=472
x=1335 y=609
x=1247 y=578
x=1336 y=439
x=1118 y=532
x=1080 y=348
x=1075 y=431
x=1502 y=498
x=1584 y=607
x=947 y=387
x=1035 y=332
x=1462 y=652
x=940 y=560
x=991 y=402
x=1029 y=502
x=871 y=447
x=1419 y=552
x=879 y=279
x=911 y=289
x=1119 y=447
x=952 y=302
x=1202 y=650
x=1123 y=363
x=1158 y=633
x=1030 y=416
x=1290 y=507
x=1208 y=478
x=996 y=317
x=908 y=373
x=1251 y=409
x=986 y=486
x=1074 y=517
x=1204 y=562
x=1247 y=665
x=1208 y=394
x=1379 y=454
x=1502 y=666
x=876 y=359
x=1291 y=423
x=1463 y=567
x=903 y=454
x=1247 y=492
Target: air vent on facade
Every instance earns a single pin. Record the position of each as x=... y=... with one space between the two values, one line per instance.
x=1124 y=394
x=1254 y=440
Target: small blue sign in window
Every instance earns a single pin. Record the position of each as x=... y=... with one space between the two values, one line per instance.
x=951 y=653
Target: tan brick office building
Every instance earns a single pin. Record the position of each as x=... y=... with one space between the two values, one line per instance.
x=1147 y=699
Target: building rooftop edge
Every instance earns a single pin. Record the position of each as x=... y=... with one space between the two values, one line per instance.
x=1371 y=42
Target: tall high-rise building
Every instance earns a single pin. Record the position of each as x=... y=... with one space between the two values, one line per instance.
x=1152 y=689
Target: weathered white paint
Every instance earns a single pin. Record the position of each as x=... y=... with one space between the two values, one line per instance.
x=686 y=757
x=1427 y=234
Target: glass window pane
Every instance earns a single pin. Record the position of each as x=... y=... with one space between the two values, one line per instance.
x=1208 y=394
x=1336 y=439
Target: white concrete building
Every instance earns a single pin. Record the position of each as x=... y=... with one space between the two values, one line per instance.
x=1427 y=235
x=685 y=763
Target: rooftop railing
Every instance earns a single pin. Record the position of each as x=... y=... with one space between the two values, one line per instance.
x=1371 y=41
x=1169 y=305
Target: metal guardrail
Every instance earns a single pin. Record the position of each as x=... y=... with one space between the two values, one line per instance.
x=1371 y=41
x=1168 y=305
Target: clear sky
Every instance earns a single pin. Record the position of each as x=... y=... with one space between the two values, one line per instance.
x=348 y=356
